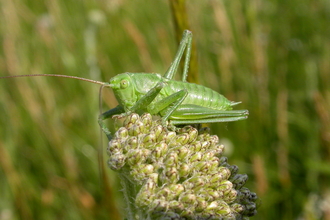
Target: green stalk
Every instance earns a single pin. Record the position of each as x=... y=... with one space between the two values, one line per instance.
x=130 y=192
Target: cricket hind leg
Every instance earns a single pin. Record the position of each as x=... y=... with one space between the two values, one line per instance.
x=186 y=42
x=194 y=114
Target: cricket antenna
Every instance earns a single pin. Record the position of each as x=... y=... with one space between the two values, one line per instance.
x=57 y=75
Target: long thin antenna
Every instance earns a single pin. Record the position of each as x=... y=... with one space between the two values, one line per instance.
x=57 y=75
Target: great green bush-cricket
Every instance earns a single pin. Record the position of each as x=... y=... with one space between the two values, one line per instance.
x=178 y=102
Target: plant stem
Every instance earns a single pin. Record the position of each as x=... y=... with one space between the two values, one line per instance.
x=130 y=192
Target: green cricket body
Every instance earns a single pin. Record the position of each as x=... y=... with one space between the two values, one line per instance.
x=177 y=102
x=131 y=87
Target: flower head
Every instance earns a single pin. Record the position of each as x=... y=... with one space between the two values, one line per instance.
x=178 y=175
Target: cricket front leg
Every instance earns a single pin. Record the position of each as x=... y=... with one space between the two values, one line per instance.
x=148 y=98
x=168 y=105
x=108 y=114
x=119 y=112
x=143 y=101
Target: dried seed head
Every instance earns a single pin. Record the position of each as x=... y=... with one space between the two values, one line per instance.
x=184 y=170
x=117 y=161
x=114 y=146
x=218 y=148
x=197 y=156
x=149 y=139
x=239 y=180
x=201 y=204
x=159 y=205
x=122 y=133
x=131 y=143
x=179 y=174
x=171 y=159
x=159 y=131
x=168 y=136
x=230 y=196
x=132 y=118
x=159 y=151
x=176 y=206
x=172 y=175
x=146 y=120
x=183 y=152
x=188 y=198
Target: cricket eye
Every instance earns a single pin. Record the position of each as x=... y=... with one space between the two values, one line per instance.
x=123 y=84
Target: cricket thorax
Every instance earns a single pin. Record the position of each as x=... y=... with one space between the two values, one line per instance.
x=143 y=82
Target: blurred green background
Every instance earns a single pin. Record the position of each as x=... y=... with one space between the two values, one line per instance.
x=272 y=55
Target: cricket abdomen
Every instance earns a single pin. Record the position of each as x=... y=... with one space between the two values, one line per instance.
x=199 y=95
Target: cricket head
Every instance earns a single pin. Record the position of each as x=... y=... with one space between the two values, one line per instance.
x=124 y=89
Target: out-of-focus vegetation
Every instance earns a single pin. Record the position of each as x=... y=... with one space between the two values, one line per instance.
x=272 y=55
